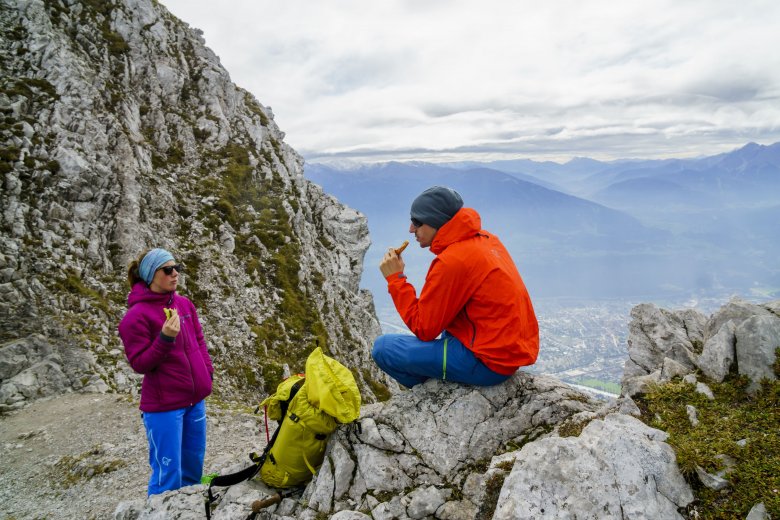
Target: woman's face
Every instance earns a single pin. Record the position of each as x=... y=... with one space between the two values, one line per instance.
x=165 y=283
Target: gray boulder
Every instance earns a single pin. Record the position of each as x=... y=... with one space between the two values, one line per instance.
x=425 y=501
x=736 y=310
x=426 y=452
x=430 y=439
x=617 y=468
x=719 y=353
x=657 y=335
x=32 y=367
x=757 y=338
x=663 y=344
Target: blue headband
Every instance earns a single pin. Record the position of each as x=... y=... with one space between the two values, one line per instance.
x=151 y=263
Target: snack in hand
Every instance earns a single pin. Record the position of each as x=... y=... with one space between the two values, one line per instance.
x=400 y=250
x=168 y=312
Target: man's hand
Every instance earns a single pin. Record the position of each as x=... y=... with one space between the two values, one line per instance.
x=391 y=263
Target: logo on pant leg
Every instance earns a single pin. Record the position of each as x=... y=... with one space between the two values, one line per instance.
x=165 y=461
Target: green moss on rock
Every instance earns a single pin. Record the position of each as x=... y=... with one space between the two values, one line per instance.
x=734 y=415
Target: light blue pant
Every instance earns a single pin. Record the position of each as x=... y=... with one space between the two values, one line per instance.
x=177 y=446
x=411 y=361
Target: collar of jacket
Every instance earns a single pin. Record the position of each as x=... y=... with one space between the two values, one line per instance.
x=141 y=293
x=464 y=224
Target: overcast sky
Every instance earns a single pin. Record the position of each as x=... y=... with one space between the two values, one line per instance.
x=457 y=79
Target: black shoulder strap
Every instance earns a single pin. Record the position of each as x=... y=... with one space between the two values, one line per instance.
x=257 y=460
x=284 y=405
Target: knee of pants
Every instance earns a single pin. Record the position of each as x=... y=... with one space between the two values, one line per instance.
x=379 y=348
x=387 y=352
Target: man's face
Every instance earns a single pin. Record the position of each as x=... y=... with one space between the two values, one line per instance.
x=423 y=233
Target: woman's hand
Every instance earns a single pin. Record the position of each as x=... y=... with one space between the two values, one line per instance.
x=391 y=263
x=172 y=326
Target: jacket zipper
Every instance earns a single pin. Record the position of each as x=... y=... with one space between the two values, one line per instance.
x=185 y=343
x=189 y=361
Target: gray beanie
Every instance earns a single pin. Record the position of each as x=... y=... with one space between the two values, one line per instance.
x=436 y=206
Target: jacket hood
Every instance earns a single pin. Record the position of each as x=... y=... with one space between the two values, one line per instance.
x=141 y=293
x=465 y=224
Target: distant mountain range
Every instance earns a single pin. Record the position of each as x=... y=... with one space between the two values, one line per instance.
x=586 y=228
x=736 y=177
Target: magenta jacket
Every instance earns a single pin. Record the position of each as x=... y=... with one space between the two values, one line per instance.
x=176 y=373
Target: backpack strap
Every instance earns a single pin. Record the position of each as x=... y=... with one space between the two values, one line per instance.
x=257 y=460
x=284 y=405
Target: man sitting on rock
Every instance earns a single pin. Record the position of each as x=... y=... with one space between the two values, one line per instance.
x=473 y=322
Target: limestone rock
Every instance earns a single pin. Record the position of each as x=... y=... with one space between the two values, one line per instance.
x=639 y=384
x=128 y=510
x=757 y=338
x=656 y=335
x=428 y=439
x=672 y=369
x=420 y=449
x=719 y=353
x=425 y=501
x=758 y=512
x=628 y=406
x=458 y=510
x=693 y=415
x=663 y=345
x=350 y=515
x=182 y=504
x=773 y=307
x=737 y=311
x=711 y=481
x=617 y=468
x=705 y=390
x=32 y=368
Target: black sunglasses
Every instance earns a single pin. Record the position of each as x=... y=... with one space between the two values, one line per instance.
x=168 y=269
x=416 y=223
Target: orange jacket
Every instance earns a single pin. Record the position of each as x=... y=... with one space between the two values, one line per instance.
x=474 y=292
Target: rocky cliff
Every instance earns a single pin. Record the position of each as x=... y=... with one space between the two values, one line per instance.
x=120 y=131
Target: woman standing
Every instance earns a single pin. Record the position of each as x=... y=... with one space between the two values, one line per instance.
x=164 y=341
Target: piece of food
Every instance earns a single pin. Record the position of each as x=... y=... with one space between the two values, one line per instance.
x=168 y=313
x=401 y=249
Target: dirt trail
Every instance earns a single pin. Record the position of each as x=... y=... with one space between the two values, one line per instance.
x=79 y=455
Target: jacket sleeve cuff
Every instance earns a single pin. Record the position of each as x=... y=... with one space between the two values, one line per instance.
x=166 y=338
x=395 y=276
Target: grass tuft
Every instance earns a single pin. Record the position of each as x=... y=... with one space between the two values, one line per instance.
x=734 y=415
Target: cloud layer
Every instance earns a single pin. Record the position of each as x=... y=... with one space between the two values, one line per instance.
x=460 y=79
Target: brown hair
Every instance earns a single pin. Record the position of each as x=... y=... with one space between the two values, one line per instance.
x=132 y=269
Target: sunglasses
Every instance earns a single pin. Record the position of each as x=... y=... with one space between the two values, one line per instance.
x=416 y=223
x=168 y=269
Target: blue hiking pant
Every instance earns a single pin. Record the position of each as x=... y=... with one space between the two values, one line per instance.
x=177 y=446
x=411 y=361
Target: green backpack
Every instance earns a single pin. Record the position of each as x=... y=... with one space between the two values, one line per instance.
x=308 y=408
